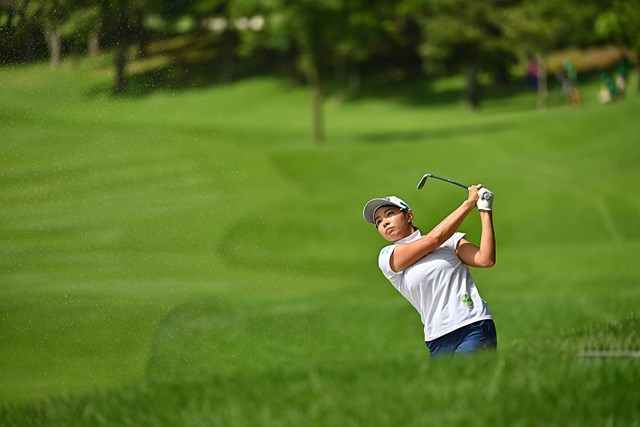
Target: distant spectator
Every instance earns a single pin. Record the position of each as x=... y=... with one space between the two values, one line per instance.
x=621 y=86
x=609 y=89
x=568 y=78
x=531 y=77
x=622 y=75
x=623 y=67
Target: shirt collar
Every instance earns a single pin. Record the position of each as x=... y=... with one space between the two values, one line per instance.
x=410 y=238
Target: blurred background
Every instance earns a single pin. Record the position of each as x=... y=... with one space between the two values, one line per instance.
x=181 y=188
x=337 y=49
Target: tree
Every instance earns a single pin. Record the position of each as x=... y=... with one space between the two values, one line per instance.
x=377 y=31
x=51 y=15
x=82 y=26
x=331 y=38
x=233 y=16
x=20 y=33
x=305 y=29
x=116 y=19
x=466 y=36
x=534 y=28
x=123 y=21
x=620 y=24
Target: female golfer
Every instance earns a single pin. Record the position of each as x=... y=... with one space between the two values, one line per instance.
x=432 y=271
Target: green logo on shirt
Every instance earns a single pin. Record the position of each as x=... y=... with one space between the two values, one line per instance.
x=466 y=300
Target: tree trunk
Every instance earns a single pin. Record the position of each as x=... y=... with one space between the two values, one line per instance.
x=473 y=86
x=124 y=38
x=355 y=84
x=340 y=67
x=501 y=76
x=30 y=40
x=93 y=47
x=229 y=42
x=54 y=44
x=120 y=81
x=75 y=57
x=143 y=36
x=349 y=81
x=8 y=30
x=638 y=70
x=543 y=92
x=143 y=45
x=316 y=106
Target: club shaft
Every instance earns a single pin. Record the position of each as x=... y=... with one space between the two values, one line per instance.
x=466 y=187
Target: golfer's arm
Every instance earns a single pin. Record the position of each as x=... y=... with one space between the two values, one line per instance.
x=485 y=255
x=407 y=254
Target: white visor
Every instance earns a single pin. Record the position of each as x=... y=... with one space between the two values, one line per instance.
x=373 y=204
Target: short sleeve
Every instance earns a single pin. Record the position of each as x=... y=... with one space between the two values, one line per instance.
x=384 y=262
x=452 y=242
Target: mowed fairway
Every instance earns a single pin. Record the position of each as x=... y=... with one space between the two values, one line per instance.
x=191 y=258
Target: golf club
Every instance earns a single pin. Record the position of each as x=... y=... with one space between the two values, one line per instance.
x=424 y=178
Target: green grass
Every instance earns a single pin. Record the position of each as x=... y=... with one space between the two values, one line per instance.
x=190 y=258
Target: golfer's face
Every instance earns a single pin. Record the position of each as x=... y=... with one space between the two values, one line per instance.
x=392 y=223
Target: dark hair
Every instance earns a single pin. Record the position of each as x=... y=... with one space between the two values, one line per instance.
x=412 y=226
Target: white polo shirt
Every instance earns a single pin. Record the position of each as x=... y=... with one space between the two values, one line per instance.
x=439 y=286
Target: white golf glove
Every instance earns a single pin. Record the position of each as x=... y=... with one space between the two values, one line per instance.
x=485 y=199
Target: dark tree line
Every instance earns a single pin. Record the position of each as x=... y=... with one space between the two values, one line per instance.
x=327 y=40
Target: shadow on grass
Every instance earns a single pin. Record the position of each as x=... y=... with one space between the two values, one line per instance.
x=189 y=62
x=195 y=61
x=429 y=135
x=423 y=91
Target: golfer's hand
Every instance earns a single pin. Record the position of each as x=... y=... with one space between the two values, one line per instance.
x=485 y=199
x=473 y=194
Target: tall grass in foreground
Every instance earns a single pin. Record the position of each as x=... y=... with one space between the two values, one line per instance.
x=541 y=383
x=191 y=259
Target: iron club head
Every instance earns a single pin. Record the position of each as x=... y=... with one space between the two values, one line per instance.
x=423 y=180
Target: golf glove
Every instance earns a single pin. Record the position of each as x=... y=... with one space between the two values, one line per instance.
x=485 y=199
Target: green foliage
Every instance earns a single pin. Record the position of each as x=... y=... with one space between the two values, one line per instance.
x=82 y=22
x=607 y=26
x=535 y=27
x=461 y=31
x=48 y=12
x=619 y=23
